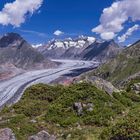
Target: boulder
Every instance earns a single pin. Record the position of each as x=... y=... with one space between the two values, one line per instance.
x=89 y=107
x=102 y=84
x=7 y=134
x=136 y=88
x=43 y=135
x=78 y=107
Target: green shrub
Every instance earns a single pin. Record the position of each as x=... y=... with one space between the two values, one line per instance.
x=52 y=106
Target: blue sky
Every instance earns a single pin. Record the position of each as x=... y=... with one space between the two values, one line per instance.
x=73 y=17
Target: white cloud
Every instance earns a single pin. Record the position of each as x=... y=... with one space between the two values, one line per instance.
x=107 y=35
x=58 y=33
x=15 y=13
x=128 y=33
x=113 y=18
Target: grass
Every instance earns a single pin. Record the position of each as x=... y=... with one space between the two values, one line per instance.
x=51 y=107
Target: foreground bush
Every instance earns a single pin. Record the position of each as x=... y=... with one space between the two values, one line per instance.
x=53 y=108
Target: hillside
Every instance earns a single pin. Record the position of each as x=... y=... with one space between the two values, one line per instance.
x=79 y=111
x=17 y=56
x=125 y=65
x=101 y=51
x=15 y=50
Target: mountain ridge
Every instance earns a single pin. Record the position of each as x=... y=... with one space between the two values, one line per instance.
x=84 y=48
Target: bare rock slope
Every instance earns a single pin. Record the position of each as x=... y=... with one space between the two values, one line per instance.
x=17 y=55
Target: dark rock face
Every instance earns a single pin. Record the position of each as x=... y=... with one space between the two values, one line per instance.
x=43 y=135
x=101 y=51
x=7 y=134
x=9 y=39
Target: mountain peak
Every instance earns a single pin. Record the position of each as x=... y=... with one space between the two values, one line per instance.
x=13 y=36
x=10 y=39
x=113 y=43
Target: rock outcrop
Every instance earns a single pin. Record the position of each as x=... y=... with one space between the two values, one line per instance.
x=7 y=134
x=136 y=88
x=43 y=135
x=100 y=84
x=80 y=107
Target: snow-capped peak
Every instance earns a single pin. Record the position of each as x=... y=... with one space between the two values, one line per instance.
x=91 y=39
x=80 y=42
x=36 y=45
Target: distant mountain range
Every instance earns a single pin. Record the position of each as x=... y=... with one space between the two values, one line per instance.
x=17 y=54
x=85 y=48
x=17 y=51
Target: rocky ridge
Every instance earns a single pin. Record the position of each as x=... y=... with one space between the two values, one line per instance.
x=83 y=47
